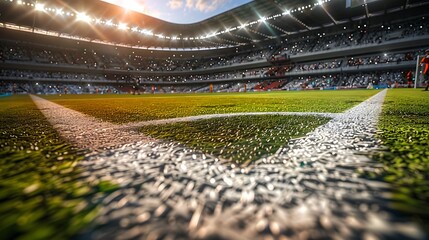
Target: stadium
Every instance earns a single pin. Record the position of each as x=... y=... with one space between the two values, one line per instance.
x=269 y=119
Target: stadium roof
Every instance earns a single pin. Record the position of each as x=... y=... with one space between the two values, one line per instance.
x=251 y=23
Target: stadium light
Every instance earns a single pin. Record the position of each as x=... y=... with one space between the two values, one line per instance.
x=147 y=32
x=122 y=26
x=287 y=12
x=40 y=7
x=109 y=23
x=83 y=17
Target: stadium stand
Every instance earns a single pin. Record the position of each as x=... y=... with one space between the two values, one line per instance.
x=357 y=51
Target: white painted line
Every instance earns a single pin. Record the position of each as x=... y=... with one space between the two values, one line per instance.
x=136 y=125
x=85 y=131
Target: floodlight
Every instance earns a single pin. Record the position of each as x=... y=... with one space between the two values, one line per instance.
x=83 y=17
x=287 y=12
x=146 y=32
x=122 y=26
x=40 y=7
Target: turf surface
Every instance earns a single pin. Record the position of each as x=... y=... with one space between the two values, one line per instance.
x=42 y=196
x=131 y=108
x=405 y=131
x=41 y=193
x=241 y=138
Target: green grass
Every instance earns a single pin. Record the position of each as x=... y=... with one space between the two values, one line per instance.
x=405 y=131
x=41 y=195
x=241 y=138
x=130 y=108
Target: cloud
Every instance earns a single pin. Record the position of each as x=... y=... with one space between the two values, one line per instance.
x=175 y=4
x=205 y=5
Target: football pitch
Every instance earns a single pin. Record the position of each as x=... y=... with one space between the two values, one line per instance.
x=130 y=108
x=276 y=137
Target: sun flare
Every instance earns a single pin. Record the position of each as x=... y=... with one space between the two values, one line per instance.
x=135 y=5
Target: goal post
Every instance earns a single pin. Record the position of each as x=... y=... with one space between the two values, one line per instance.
x=418 y=77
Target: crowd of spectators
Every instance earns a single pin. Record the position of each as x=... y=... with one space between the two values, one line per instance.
x=355 y=80
x=14 y=51
x=9 y=74
x=252 y=73
x=380 y=78
x=319 y=65
x=153 y=64
x=57 y=88
x=364 y=34
x=384 y=58
x=94 y=59
x=383 y=79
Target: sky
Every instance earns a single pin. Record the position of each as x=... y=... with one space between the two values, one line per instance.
x=180 y=11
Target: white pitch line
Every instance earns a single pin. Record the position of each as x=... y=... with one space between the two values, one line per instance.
x=136 y=125
x=85 y=131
